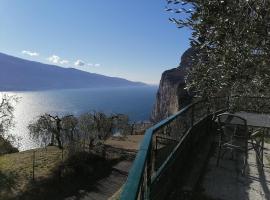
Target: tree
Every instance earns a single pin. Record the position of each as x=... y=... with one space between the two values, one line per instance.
x=92 y=127
x=96 y=127
x=70 y=133
x=69 y=125
x=49 y=128
x=86 y=127
x=6 y=121
x=103 y=125
x=6 y=113
x=233 y=43
x=121 y=124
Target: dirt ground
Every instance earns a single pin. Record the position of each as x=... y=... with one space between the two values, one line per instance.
x=130 y=142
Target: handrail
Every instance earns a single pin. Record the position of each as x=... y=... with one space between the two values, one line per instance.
x=134 y=179
x=140 y=177
x=137 y=171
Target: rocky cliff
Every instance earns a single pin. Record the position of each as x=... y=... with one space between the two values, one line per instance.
x=172 y=95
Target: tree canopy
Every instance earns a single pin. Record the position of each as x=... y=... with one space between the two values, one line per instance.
x=6 y=114
x=89 y=128
x=232 y=39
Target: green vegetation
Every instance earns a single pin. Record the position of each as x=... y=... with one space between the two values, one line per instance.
x=232 y=43
x=54 y=178
x=63 y=168
x=6 y=121
x=18 y=168
x=86 y=130
x=6 y=147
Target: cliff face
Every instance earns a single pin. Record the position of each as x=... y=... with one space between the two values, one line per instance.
x=172 y=95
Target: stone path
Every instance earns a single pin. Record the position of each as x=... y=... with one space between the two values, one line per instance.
x=227 y=183
x=106 y=187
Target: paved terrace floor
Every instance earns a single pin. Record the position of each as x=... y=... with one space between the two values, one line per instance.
x=227 y=183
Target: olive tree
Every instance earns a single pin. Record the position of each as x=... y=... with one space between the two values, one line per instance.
x=96 y=127
x=86 y=128
x=103 y=125
x=50 y=128
x=91 y=128
x=6 y=122
x=233 y=43
x=121 y=124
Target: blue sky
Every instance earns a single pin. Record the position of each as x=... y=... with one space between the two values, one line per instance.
x=132 y=39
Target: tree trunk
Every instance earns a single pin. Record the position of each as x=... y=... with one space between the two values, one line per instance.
x=57 y=134
x=59 y=143
x=52 y=140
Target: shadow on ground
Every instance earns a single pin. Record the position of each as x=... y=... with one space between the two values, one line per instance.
x=7 y=183
x=75 y=177
x=226 y=181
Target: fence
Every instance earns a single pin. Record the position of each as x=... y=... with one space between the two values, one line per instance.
x=39 y=163
x=165 y=145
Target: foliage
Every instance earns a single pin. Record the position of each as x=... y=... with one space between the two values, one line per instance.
x=6 y=113
x=89 y=128
x=6 y=122
x=6 y=147
x=233 y=43
x=47 y=128
x=55 y=178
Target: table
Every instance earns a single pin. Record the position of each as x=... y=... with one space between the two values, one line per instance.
x=257 y=120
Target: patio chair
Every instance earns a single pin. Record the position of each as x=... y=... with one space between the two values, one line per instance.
x=233 y=136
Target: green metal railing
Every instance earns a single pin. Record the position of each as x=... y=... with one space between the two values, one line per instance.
x=164 y=145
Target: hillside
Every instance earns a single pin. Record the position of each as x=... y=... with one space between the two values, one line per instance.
x=19 y=74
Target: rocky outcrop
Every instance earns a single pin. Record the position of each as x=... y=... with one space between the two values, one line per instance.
x=172 y=95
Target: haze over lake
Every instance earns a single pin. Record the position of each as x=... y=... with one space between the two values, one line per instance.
x=136 y=102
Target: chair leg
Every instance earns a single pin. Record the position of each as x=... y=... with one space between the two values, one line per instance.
x=245 y=161
x=218 y=156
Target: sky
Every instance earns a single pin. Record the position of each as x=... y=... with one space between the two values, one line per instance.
x=132 y=39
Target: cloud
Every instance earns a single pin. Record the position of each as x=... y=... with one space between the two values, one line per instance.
x=79 y=63
x=57 y=60
x=54 y=59
x=93 y=65
x=63 y=62
x=30 y=53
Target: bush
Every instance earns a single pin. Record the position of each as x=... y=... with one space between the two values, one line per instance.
x=6 y=147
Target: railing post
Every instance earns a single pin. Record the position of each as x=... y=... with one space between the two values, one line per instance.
x=149 y=172
x=208 y=107
x=34 y=157
x=228 y=102
x=192 y=115
x=142 y=190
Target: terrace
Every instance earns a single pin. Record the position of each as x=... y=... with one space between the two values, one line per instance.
x=177 y=157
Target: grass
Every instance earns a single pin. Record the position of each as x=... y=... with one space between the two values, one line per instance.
x=129 y=142
x=20 y=167
x=54 y=178
x=16 y=172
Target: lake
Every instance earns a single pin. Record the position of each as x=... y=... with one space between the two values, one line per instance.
x=136 y=102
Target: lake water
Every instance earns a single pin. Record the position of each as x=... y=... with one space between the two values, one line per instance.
x=136 y=102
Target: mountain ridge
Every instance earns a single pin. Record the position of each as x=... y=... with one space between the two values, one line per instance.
x=17 y=74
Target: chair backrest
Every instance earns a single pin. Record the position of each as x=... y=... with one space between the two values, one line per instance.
x=233 y=124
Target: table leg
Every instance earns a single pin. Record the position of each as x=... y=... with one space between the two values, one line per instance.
x=265 y=130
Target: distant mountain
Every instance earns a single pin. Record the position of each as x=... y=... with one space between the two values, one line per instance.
x=19 y=74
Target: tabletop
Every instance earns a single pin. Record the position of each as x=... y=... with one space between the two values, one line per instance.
x=255 y=119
